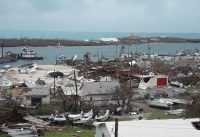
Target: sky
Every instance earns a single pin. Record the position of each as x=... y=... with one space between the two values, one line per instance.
x=172 y=16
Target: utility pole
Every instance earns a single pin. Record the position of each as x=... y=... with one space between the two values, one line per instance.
x=98 y=56
x=136 y=50
x=116 y=51
x=54 y=83
x=116 y=127
x=149 y=50
x=76 y=96
x=75 y=82
x=130 y=71
x=2 y=50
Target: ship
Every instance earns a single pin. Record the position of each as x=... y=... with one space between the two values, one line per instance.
x=8 y=57
x=27 y=54
x=7 y=60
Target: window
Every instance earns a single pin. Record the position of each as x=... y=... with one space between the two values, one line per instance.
x=90 y=98
x=103 y=135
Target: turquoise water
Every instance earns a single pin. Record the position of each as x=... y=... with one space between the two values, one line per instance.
x=85 y=35
x=50 y=53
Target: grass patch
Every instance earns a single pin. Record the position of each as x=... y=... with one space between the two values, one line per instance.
x=4 y=135
x=160 y=114
x=194 y=87
x=71 y=131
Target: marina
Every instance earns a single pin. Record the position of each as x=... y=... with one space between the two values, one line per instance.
x=89 y=68
x=84 y=85
x=50 y=54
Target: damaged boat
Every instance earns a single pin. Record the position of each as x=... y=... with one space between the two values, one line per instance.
x=59 y=118
x=81 y=118
x=159 y=103
x=21 y=132
x=102 y=117
x=86 y=117
x=28 y=68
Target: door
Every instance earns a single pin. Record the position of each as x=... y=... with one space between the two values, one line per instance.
x=161 y=81
x=36 y=100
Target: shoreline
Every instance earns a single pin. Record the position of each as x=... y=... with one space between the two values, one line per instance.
x=14 y=42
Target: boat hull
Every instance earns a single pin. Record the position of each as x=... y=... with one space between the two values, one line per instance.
x=7 y=60
x=31 y=58
x=157 y=104
x=103 y=117
x=74 y=117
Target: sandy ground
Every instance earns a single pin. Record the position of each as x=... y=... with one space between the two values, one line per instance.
x=15 y=76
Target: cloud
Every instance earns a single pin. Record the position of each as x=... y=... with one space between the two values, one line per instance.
x=101 y=15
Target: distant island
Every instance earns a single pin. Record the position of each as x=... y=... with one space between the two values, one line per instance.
x=133 y=39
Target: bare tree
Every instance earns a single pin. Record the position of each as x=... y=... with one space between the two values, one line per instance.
x=160 y=67
x=12 y=110
x=123 y=96
x=86 y=58
x=66 y=102
x=193 y=109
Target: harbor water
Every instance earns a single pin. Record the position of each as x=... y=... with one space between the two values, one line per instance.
x=51 y=53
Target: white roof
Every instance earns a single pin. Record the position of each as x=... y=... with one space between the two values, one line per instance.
x=155 y=128
x=110 y=39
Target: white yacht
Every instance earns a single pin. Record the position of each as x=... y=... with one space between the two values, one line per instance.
x=29 y=55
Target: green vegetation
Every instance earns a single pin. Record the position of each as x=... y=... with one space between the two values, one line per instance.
x=3 y=135
x=160 y=114
x=116 y=62
x=193 y=109
x=194 y=87
x=44 y=110
x=71 y=131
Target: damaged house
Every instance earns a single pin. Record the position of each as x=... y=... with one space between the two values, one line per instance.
x=152 y=81
x=35 y=96
x=99 y=93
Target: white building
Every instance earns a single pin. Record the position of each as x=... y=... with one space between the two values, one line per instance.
x=150 y=128
x=152 y=81
x=37 y=95
x=99 y=93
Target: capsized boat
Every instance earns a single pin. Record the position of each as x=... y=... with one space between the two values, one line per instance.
x=86 y=117
x=58 y=117
x=5 y=83
x=159 y=103
x=28 y=68
x=176 y=83
x=176 y=112
x=75 y=117
x=103 y=117
x=19 y=132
